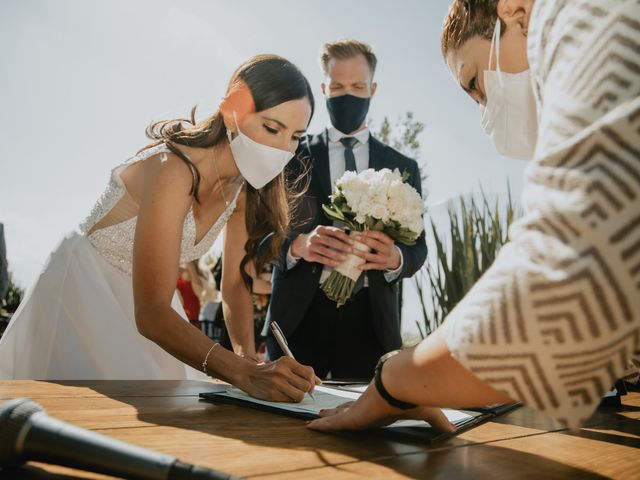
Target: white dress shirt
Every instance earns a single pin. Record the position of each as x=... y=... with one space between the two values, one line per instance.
x=336 y=170
x=336 y=152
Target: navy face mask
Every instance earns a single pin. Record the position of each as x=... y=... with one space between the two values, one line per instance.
x=347 y=112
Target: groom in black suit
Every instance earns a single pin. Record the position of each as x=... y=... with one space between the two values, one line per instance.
x=345 y=342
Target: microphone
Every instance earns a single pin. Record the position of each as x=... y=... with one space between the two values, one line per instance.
x=28 y=433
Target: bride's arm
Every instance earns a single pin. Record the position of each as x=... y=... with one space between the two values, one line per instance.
x=164 y=203
x=237 y=303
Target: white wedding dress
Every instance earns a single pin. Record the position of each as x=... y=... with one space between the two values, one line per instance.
x=77 y=321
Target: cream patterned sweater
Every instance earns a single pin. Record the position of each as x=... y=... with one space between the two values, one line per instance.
x=556 y=319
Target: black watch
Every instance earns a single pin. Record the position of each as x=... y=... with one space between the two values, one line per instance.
x=394 y=402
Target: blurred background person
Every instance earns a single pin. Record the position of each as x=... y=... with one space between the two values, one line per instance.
x=190 y=285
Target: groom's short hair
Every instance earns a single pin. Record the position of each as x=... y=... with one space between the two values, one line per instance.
x=347 y=48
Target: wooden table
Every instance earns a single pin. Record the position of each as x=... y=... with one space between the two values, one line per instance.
x=167 y=416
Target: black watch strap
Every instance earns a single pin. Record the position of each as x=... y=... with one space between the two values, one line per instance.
x=394 y=402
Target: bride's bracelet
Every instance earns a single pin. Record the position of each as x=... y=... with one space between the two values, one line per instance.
x=206 y=357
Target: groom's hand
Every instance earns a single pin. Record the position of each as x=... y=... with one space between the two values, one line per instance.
x=384 y=254
x=325 y=245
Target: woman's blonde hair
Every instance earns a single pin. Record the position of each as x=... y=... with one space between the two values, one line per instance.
x=467 y=19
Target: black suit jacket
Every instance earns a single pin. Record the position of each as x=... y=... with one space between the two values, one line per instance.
x=294 y=289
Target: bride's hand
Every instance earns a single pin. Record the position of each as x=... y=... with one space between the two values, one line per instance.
x=283 y=380
x=252 y=358
x=371 y=410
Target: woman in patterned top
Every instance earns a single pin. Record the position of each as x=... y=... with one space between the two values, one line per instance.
x=556 y=319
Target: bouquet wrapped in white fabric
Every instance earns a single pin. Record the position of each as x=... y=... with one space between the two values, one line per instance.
x=371 y=200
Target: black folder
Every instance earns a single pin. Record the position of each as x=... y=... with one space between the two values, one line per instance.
x=408 y=430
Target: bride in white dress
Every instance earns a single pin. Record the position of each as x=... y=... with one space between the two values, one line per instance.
x=104 y=306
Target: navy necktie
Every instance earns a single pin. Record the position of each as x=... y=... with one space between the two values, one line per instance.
x=350 y=164
x=349 y=157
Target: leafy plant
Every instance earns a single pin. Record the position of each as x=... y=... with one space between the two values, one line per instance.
x=403 y=136
x=476 y=234
x=14 y=295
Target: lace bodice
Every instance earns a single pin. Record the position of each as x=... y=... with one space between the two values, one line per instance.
x=115 y=242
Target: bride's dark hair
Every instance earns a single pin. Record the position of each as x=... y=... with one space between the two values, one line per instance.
x=272 y=80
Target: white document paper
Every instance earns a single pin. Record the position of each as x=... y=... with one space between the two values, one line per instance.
x=326 y=397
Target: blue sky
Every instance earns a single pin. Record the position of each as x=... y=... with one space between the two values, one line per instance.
x=82 y=78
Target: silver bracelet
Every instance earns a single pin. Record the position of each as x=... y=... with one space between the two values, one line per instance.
x=204 y=364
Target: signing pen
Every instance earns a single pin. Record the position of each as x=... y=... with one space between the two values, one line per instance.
x=282 y=342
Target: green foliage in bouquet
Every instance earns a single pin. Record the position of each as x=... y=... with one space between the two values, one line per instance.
x=339 y=210
x=476 y=234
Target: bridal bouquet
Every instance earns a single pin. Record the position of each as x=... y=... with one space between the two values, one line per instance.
x=371 y=200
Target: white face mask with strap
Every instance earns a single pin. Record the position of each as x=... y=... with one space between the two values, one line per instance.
x=510 y=117
x=258 y=163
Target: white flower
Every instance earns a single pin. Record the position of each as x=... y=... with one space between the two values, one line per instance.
x=380 y=212
x=381 y=195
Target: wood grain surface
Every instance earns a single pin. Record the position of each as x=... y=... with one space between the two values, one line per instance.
x=167 y=416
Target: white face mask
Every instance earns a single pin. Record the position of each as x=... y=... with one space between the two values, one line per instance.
x=509 y=117
x=258 y=163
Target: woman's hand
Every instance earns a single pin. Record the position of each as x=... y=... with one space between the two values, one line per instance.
x=283 y=380
x=371 y=410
